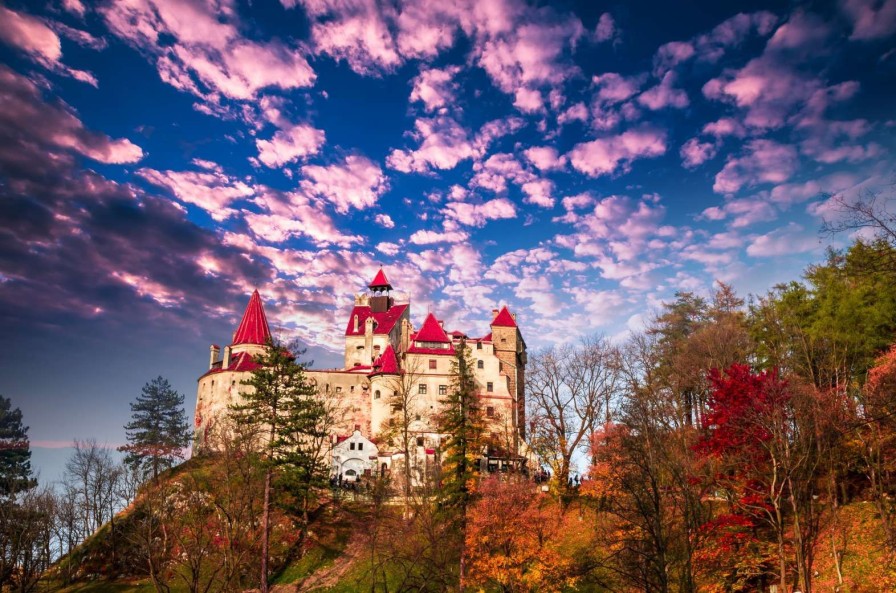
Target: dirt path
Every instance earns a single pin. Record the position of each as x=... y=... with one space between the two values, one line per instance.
x=328 y=576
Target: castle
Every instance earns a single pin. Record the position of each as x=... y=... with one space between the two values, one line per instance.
x=386 y=360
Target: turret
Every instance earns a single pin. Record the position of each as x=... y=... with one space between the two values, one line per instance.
x=214 y=350
x=510 y=348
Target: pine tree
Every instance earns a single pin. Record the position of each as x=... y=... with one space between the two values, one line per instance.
x=282 y=408
x=15 y=452
x=158 y=431
x=461 y=419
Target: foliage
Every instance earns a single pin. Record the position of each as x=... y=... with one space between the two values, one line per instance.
x=512 y=539
x=158 y=431
x=15 y=452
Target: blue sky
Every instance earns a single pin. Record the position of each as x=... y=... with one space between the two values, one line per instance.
x=580 y=162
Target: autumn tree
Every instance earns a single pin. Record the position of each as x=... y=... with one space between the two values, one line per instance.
x=158 y=431
x=280 y=405
x=569 y=389
x=512 y=539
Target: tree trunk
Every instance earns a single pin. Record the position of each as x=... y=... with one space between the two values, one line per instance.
x=265 y=530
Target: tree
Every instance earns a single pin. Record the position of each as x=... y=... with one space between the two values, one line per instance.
x=462 y=420
x=281 y=407
x=569 y=390
x=512 y=540
x=15 y=452
x=158 y=431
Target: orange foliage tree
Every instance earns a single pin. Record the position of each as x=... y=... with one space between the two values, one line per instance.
x=512 y=539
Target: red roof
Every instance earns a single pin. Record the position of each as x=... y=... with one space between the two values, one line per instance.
x=443 y=351
x=380 y=281
x=431 y=331
x=387 y=363
x=253 y=329
x=504 y=319
x=385 y=321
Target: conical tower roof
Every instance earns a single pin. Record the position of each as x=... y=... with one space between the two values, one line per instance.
x=504 y=318
x=387 y=363
x=380 y=281
x=253 y=329
x=432 y=331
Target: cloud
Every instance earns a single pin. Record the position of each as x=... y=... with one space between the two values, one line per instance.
x=606 y=29
x=743 y=212
x=789 y=239
x=443 y=144
x=39 y=42
x=499 y=168
x=539 y=192
x=212 y=191
x=476 y=215
x=670 y=55
x=871 y=19
x=664 y=95
x=545 y=158
x=435 y=88
x=695 y=152
x=763 y=161
x=297 y=142
x=27 y=120
x=294 y=214
x=384 y=220
x=605 y=156
x=423 y=237
x=198 y=48
x=388 y=248
x=357 y=182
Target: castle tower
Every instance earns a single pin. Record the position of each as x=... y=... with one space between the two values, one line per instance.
x=374 y=323
x=221 y=385
x=510 y=348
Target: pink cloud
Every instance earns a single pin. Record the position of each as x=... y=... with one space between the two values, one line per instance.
x=528 y=100
x=607 y=155
x=423 y=237
x=871 y=19
x=606 y=29
x=294 y=214
x=789 y=239
x=443 y=144
x=539 y=192
x=742 y=212
x=292 y=144
x=209 y=57
x=39 y=42
x=212 y=191
x=694 y=152
x=545 y=158
x=763 y=161
x=494 y=173
x=477 y=215
x=664 y=95
x=357 y=182
x=576 y=112
x=435 y=87
x=384 y=220
x=670 y=55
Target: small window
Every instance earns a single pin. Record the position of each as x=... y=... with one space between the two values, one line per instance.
x=352 y=388
x=503 y=340
x=213 y=384
x=360 y=348
x=490 y=412
x=376 y=394
x=338 y=389
x=376 y=348
x=478 y=345
x=480 y=364
x=489 y=386
x=443 y=390
x=233 y=383
x=417 y=417
x=360 y=446
x=432 y=364
x=422 y=389
x=351 y=446
x=419 y=441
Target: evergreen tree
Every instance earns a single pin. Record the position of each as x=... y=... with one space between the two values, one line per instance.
x=461 y=418
x=158 y=431
x=15 y=451
x=282 y=409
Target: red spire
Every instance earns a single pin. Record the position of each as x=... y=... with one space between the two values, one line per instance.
x=380 y=281
x=387 y=363
x=253 y=328
x=431 y=331
x=504 y=318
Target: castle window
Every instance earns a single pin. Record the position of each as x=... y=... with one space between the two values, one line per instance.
x=376 y=348
x=503 y=340
x=422 y=389
x=443 y=390
x=489 y=386
x=490 y=412
x=360 y=446
x=480 y=364
x=360 y=348
x=338 y=389
x=352 y=388
x=419 y=441
x=417 y=417
x=351 y=446
x=432 y=364
x=376 y=394
x=478 y=345
x=213 y=384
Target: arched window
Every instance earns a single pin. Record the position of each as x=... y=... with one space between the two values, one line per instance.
x=480 y=364
x=376 y=394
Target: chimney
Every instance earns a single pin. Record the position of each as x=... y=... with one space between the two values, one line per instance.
x=494 y=313
x=214 y=350
x=226 y=362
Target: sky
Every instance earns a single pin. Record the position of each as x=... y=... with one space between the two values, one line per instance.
x=580 y=162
